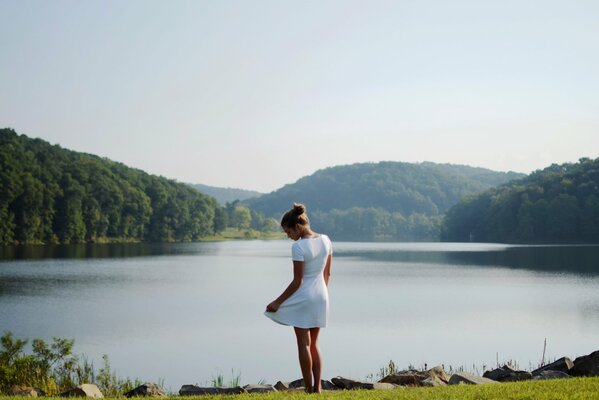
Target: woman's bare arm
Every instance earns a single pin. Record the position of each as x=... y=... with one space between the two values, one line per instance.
x=298 y=276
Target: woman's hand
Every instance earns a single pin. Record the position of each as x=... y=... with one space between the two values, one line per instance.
x=273 y=307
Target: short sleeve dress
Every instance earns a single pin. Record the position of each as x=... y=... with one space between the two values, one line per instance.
x=308 y=306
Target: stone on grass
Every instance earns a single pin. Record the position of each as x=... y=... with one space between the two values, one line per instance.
x=564 y=364
x=468 y=378
x=435 y=377
x=350 y=384
x=299 y=384
x=543 y=375
x=27 y=391
x=507 y=374
x=432 y=382
x=259 y=388
x=147 y=390
x=85 y=390
x=193 y=390
x=586 y=365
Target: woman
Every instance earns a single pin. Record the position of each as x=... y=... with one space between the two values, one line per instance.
x=305 y=303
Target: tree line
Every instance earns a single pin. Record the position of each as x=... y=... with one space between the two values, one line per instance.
x=377 y=224
x=559 y=204
x=52 y=195
x=386 y=201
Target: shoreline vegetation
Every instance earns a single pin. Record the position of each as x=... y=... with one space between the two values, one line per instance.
x=225 y=235
x=54 y=370
x=244 y=234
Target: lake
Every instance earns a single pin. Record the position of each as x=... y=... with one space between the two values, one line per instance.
x=187 y=312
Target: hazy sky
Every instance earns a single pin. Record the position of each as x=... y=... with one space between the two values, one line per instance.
x=256 y=94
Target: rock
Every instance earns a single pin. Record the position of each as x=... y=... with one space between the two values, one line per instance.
x=349 y=384
x=28 y=391
x=299 y=384
x=507 y=374
x=193 y=390
x=259 y=388
x=468 y=378
x=436 y=377
x=147 y=389
x=543 y=375
x=85 y=390
x=432 y=382
x=564 y=364
x=586 y=365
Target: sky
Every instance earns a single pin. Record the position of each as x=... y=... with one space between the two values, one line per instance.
x=257 y=94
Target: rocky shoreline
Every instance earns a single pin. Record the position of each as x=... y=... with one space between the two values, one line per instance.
x=562 y=368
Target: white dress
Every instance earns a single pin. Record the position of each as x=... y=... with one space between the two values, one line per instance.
x=308 y=306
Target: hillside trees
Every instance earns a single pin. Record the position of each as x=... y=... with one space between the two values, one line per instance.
x=559 y=204
x=384 y=201
x=53 y=195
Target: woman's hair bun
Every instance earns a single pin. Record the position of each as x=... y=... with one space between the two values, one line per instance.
x=296 y=216
x=299 y=209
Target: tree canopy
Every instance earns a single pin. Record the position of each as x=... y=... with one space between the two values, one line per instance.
x=559 y=204
x=52 y=195
x=381 y=201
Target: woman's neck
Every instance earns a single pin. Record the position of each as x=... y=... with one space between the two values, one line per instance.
x=307 y=233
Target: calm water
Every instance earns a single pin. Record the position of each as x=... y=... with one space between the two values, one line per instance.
x=186 y=312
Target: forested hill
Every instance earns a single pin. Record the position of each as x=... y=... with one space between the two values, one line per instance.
x=559 y=204
x=225 y=195
x=52 y=195
x=381 y=201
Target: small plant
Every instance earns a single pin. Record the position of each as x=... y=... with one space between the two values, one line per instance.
x=389 y=369
x=219 y=380
x=54 y=368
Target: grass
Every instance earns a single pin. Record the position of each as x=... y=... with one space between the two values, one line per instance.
x=562 y=389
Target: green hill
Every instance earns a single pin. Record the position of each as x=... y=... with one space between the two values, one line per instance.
x=225 y=195
x=52 y=195
x=559 y=204
x=381 y=201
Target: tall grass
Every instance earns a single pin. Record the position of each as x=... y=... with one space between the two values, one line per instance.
x=54 y=368
x=219 y=380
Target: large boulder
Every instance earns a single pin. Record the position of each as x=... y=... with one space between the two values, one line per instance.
x=147 y=390
x=433 y=377
x=193 y=390
x=564 y=364
x=544 y=375
x=468 y=378
x=259 y=388
x=85 y=390
x=349 y=384
x=432 y=382
x=507 y=374
x=586 y=365
x=26 y=391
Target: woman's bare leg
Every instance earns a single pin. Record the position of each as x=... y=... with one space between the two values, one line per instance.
x=316 y=359
x=305 y=358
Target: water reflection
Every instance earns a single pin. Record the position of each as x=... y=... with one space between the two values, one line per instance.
x=559 y=259
x=111 y=250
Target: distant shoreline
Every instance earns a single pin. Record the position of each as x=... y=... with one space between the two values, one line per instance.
x=228 y=234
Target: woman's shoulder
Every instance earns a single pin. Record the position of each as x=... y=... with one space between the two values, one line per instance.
x=325 y=237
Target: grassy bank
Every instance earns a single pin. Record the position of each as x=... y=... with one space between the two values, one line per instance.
x=562 y=389
x=244 y=234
